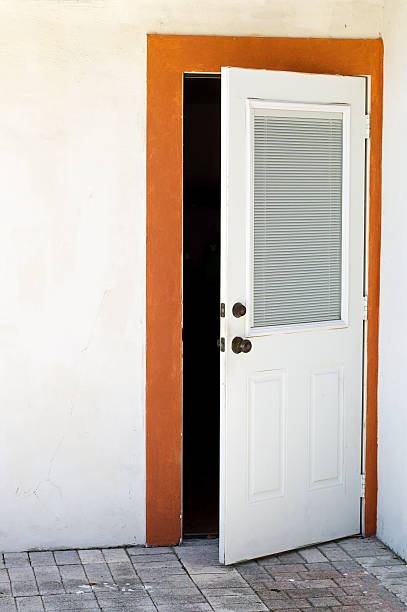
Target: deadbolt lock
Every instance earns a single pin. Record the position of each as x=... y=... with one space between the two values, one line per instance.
x=240 y=345
x=238 y=310
x=221 y=344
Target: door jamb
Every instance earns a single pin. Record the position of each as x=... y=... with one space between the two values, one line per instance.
x=168 y=58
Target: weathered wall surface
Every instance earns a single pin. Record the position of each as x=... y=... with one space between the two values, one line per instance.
x=392 y=506
x=72 y=235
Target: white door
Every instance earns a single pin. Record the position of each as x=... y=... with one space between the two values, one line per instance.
x=293 y=182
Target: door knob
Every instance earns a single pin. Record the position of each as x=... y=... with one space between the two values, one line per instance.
x=239 y=345
x=238 y=310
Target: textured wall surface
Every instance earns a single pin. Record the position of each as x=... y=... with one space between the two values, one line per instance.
x=72 y=235
x=392 y=506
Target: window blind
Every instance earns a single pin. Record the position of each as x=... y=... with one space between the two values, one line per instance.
x=297 y=217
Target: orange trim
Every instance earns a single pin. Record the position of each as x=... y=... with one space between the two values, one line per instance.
x=168 y=57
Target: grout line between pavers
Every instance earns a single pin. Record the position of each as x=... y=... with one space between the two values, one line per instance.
x=11 y=588
x=139 y=577
x=189 y=575
x=36 y=582
x=254 y=590
x=59 y=572
x=89 y=580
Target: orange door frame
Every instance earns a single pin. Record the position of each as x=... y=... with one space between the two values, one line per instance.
x=168 y=57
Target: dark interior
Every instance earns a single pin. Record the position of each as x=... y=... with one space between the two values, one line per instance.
x=201 y=280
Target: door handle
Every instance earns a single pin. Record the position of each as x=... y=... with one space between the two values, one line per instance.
x=238 y=310
x=240 y=345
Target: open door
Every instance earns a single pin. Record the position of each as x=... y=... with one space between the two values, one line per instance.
x=292 y=269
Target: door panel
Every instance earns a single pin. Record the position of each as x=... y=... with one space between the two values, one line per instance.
x=266 y=423
x=293 y=154
x=325 y=428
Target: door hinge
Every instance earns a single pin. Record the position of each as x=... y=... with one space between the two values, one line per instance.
x=222 y=309
x=365 y=311
x=367 y=126
x=362 y=485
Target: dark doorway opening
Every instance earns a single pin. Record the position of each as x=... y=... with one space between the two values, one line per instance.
x=201 y=296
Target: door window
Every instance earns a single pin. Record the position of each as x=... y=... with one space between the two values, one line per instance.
x=298 y=199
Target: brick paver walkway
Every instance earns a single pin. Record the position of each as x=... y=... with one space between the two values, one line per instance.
x=353 y=574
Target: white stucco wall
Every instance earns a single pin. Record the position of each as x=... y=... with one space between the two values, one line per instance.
x=72 y=236
x=392 y=506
